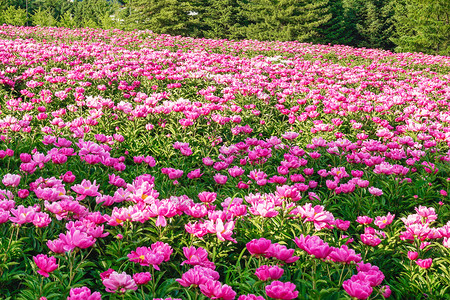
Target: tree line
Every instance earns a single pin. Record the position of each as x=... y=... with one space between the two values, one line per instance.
x=398 y=25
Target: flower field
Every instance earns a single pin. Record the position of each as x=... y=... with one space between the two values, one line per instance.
x=144 y=166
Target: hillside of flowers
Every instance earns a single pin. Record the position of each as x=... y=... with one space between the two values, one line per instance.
x=144 y=166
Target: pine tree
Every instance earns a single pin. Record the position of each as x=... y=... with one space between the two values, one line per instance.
x=43 y=17
x=56 y=7
x=374 y=22
x=91 y=13
x=67 y=20
x=423 y=26
x=161 y=16
x=341 y=28
x=377 y=26
x=285 y=19
x=14 y=16
x=223 y=20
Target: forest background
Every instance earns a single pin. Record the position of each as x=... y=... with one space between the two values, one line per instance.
x=396 y=25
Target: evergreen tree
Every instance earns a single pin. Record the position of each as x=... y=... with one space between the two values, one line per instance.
x=341 y=28
x=374 y=22
x=423 y=26
x=285 y=19
x=91 y=13
x=224 y=20
x=67 y=20
x=43 y=17
x=14 y=16
x=56 y=7
x=161 y=16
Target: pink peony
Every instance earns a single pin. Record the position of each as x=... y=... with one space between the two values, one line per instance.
x=357 y=289
x=281 y=290
x=119 y=283
x=142 y=278
x=11 y=180
x=45 y=264
x=265 y=273
x=258 y=246
x=83 y=293
x=424 y=263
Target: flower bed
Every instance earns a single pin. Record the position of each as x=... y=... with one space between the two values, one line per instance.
x=143 y=166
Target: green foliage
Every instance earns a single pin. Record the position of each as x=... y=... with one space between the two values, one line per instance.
x=224 y=20
x=56 y=7
x=43 y=18
x=341 y=28
x=285 y=20
x=373 y=20
x=93 y=13
x=403 y=25
x=14 y=16
x=166 y=16
x=67 y=20
x=423 y=26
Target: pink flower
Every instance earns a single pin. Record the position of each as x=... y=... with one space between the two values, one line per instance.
x=145 y=256
x=41 y=219
x=341 y=224
x=142 y=278
x=281 y=252
x=258 y=246
x=116 y=180
x=370 y=239
x=289 y=192
x=207 y=197
x=57 y=246
x=22 y=215
x=194 y=174
x=313 y=245
x=344 y=255
x=163 y=249
x=215 y=290
x=172 y=173
x=23 y=193
x=220 y=179
x=223 y=231
x=445 y=242
x=83 y=293
x=45 y=264
x=412 y=255
x=308 y=171
x=383 y=221
x=265 y=273
x=424 y=263
x=290 y=135
x=105 y=275
x=197 y=275
x=317 y=215
x=386 y=291
x=119 y=283
x=197 y=257
x=373 y=276
x=357 y=289
x=162 y=210
x=86 y=188
x=264 y=209
x=281 y=290
x=11 y=180
x=364 y=220
x=235 y=171
x=250 y=297
x=375 y=191
x=76 y=238
x=4 y=215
